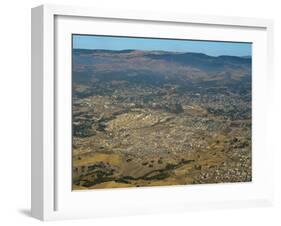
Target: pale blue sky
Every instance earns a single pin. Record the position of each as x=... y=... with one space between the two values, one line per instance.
x=121 y=43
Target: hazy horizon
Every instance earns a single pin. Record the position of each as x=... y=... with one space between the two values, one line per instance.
x=114 y=43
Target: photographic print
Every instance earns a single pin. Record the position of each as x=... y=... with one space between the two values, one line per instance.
x=158 y=112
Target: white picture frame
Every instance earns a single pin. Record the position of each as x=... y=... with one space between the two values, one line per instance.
x=52 y=198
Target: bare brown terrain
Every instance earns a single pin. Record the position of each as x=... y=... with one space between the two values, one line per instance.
x=151 y=118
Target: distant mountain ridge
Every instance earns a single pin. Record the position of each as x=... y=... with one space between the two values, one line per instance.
x=89 y=51
x=159 y=67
